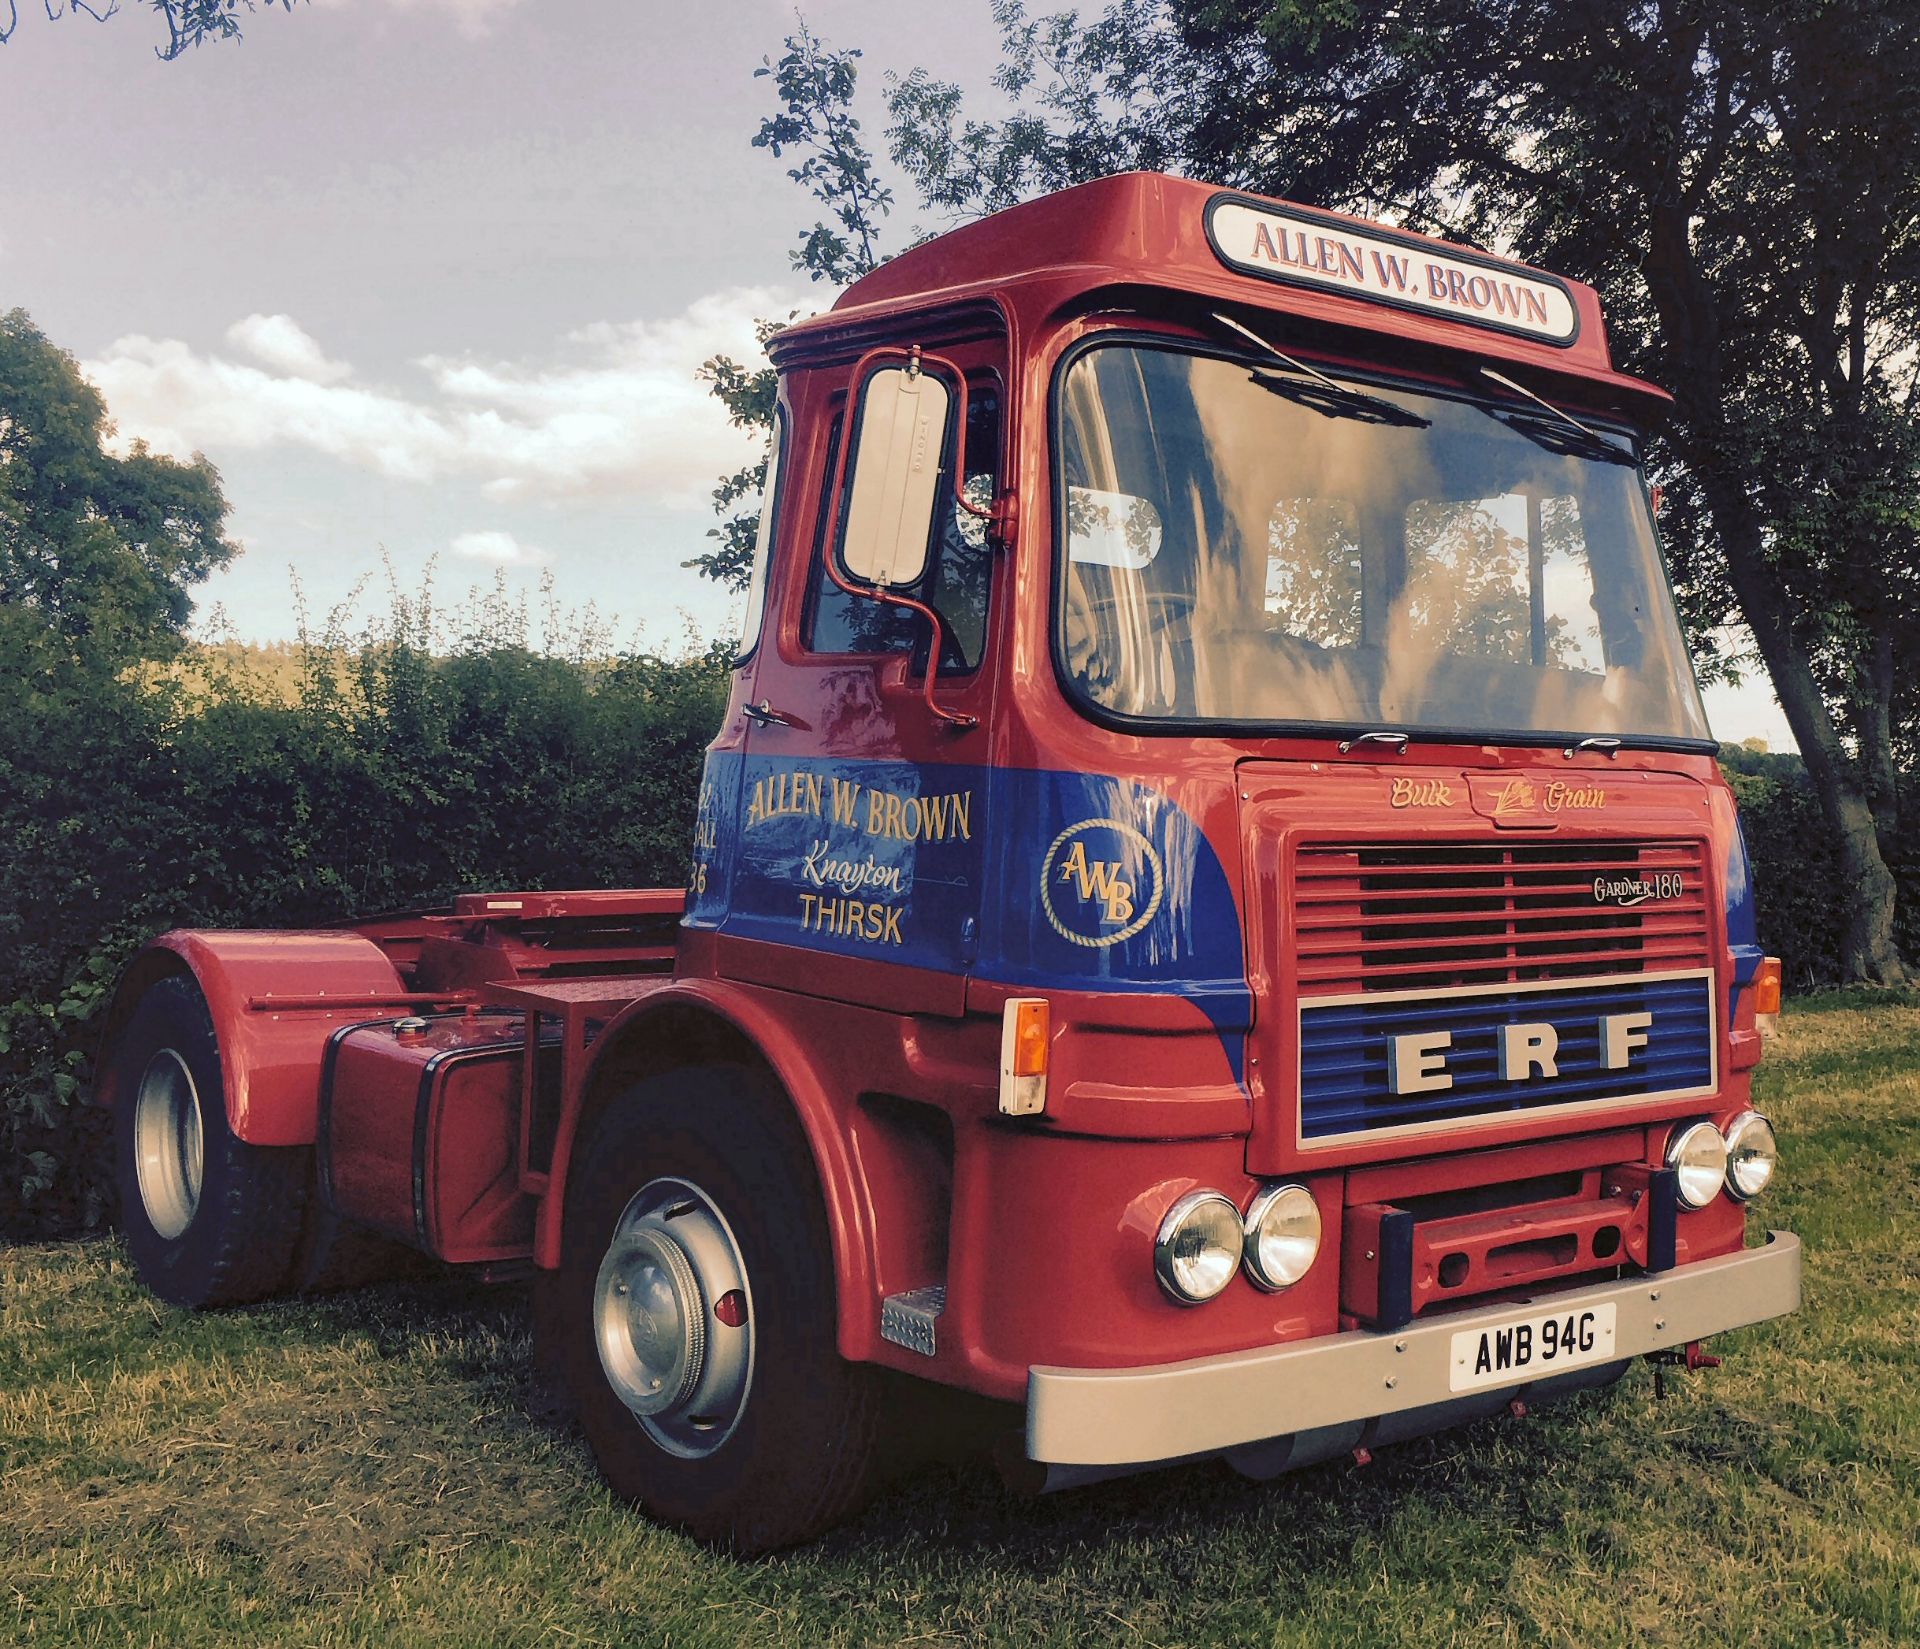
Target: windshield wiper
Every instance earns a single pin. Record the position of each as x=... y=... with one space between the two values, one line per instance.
x=1333 y=400
x=1559 y=432
x=1325 y=395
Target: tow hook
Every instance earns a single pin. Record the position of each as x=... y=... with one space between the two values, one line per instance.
x=1691 y=1357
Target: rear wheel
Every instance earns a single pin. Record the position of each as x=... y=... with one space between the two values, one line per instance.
x=696 y=1316
x=169 y=1143
x=209 y=1219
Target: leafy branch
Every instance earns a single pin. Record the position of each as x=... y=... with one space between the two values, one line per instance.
x=189 y=23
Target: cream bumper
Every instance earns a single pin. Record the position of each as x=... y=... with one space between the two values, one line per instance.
x=1115 y=1417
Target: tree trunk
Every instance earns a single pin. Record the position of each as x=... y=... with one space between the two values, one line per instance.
x=1873 y=730
x=1691 y=325
x=1868 y=891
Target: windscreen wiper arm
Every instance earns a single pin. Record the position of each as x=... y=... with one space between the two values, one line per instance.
x=1559 y=432
x=1338 y=401
x=1325 y=395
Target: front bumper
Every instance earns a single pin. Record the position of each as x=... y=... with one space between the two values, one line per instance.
x=1373 y=1386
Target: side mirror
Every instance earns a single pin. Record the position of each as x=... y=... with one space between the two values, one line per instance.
x=900 y=442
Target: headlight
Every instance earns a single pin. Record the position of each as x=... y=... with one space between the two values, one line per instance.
x=1699 y=1156
x=1282 y=1236
x=1197 y=1250
x=1751 y=1155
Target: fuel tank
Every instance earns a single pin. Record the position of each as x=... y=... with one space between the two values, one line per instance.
x=420 y=1132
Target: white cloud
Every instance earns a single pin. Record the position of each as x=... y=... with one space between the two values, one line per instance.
x=614 y=410
x=473 y=18
x=501 y=548
x=160 y=391
x=282 y=344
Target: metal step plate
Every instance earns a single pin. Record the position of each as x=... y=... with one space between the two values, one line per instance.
x=910 y=1319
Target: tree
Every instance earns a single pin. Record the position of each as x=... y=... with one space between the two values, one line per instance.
x=189 y=22
x=97 y=553
x=815 y=85
x=1103 y=96
x=97 y=556
x=1740 y=180
x=748 y=394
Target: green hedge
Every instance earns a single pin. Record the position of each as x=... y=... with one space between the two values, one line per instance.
x=386 y=774
x=381 y=776
x=1796 y=873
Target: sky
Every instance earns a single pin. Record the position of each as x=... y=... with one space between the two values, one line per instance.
x=429 y=280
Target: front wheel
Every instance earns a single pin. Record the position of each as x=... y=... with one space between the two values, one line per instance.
x=209 y=1219
x=696 y=1315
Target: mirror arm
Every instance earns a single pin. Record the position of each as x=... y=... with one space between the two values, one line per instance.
x=879 y=592
x=1002 y=513
x=959 y=721
x=915 y=360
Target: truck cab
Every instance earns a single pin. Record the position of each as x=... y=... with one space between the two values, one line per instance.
x=1213 y=920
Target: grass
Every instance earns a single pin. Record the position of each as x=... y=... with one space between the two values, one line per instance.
x=379 y=1468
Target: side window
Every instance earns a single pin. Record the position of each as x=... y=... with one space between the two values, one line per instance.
x=959 y=567
x=763 y=541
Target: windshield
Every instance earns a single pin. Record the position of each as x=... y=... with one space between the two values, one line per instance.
x=1245 y=545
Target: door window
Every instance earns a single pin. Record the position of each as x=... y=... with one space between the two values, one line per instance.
x=959 y=571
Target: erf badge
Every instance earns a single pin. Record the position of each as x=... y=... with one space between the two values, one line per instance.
x=1101 y=882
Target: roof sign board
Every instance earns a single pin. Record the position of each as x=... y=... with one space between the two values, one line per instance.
x=1309 y=249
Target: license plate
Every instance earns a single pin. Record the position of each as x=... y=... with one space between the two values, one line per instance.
x=1531 y=1348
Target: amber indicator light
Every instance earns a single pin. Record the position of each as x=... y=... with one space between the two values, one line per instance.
x=1032 y=1027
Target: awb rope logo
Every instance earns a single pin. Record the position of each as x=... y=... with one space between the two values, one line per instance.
x=1101 y=882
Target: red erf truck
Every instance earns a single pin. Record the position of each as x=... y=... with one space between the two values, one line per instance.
x=1213 y=916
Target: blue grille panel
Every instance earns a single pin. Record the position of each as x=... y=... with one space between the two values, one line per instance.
x=1344 y=1052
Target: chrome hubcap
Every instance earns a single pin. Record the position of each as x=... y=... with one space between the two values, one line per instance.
x=673 y=1317
x=168 y=1145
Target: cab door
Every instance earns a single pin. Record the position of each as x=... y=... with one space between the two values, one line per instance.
x=862 y=813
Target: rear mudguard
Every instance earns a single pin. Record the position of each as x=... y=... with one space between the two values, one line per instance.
x=269 y=1055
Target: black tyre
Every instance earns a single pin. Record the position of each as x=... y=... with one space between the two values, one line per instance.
x=695 y=1316
x=209 y=1219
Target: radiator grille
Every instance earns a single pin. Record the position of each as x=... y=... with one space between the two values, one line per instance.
x=1378 y=917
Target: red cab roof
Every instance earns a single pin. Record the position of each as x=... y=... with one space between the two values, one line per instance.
x=1148 y=230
